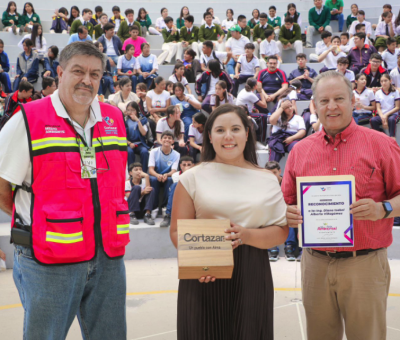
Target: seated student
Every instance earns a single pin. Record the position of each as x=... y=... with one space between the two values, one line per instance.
x=321 y=46
x=180 y=22
x=145 y=22
x=148 y=66
x=107 y=83
x=274 y=20
x=171 y=37
x=290 y=37
x=134 y=40
x=139 y=194
x=210 y=79
x=374 y=72
x=169 y=87
x=255 y=19
x=210 y=32
x=258 y=32
x=95 y=20
x=60 y=21
x=172 y=122
x=383 y=31
x=4 y=69
x=157 y=99
x=352 y=16
x=83 y=20
x=21 y=96
x=319 y=18
x=247 y=96
x=117 y=18
x=247 y=66
x=344 y=42
x=342 y=64
x=365 y=101
x=209 y=54
x=395 y=74
x=127 y=65
x=192 y=65
x=179 y=76
x=48 y=88
x=236 y=45
x=360 y=55
x=27 y=65
x=163 y=163
x=185 y=163
x=268 y=48
x=10 y=19
x=229 y=21
x=141 y=92
x=360 y=28
x=196 y=130
x=82 y=35
x=221 y=96
x=272 y=80
x=125 y=95
x=215 y=20
x=188 y=38
x=160 y=23
x=292 y=94
x=288 y=128
x=28 y=18
x=292 y=12
x=136 y=131
x=336 y=10
x=331 y=55
x=386 y=8
x=360 y=20
x=397 y=30
x=124 y=31
x=74 y=14
x=391 y=54
x=305 y=74
x=112 y=45
x=244 y=29
x=38 y=40
x=188 y=103
x=387 y=106
x=99 y=28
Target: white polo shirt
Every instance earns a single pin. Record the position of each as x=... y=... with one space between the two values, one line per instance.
x=160 y=23
x=183 y=81
x=221 y=56
x=387 y=100
x=269 y=48
x=349 y=75
x=162 y=126
x=366 y=97
x=228 y=23
x=15 y=162
x=391 y=58
x=110 y=47
x=198 y=136
x=368 y=27
x=247 y=98
x=295 y=124
x=314 y=119
x=248 y=67
x=330 y=60
x=395 y=75
x=237 y=45
x=320 y=47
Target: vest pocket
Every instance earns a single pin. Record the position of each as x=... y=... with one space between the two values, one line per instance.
x=119 y=224
x=64 y=235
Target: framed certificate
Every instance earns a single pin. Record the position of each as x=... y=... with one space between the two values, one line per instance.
x=324 y=202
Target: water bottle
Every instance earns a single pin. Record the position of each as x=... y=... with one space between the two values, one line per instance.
x=305 y=30
x=12 y=72
x=1 y=110
x=115 y=77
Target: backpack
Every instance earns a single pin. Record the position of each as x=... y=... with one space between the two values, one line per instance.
x=9 y=109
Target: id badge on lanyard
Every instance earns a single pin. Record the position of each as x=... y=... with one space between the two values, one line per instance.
x=88 y=160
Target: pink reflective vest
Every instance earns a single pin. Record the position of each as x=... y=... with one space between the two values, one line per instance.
x=72 y=218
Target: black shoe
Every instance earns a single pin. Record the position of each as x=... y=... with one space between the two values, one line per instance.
x=133 y=219
x=289 y=253
x=148 y=219
x=165 y=63
x=166 y=222
x=273 y=254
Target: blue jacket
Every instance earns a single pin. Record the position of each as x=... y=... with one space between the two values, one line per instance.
x=4 y=62
x=50 y=66
x=116 y=42
x=206 y=79
x=28 y=68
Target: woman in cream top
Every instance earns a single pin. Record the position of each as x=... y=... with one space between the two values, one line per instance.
x=228 y=184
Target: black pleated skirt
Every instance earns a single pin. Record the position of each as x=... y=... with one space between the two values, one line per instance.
x=237 y=309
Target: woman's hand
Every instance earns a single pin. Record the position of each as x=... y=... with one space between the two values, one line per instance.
x=207 y=279
x=182 y=143
x=239 y=236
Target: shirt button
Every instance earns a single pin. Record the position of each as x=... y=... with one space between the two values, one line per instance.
x=335 y=149
x=344 y=140
x=334 y=169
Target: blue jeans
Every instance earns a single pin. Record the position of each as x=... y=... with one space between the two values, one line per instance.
x=144 y=156
x=114 y=58
x=340 y=18
x=292 y=238
x=5 y=80
x=376 y=123
x=95 y=291
x=362 y=118
x=187 y=121
x=230 y=67
x=156 y=185
x=171 y=198
x=106 y=83
x=148 y=80
x=139 y=208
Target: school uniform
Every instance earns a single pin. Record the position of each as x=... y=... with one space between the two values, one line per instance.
x=381 y=29
x=366 y=97
x=272 y=81
x=248 y=99
x=349 y=75
x=198 y=139
x=387 y=102
x=373 y=80
x=258 y=33
x=169 y=47
x=305 y=83
x=247 y=70
x=390 y=58
x=211 y=33
x=330 y=61
x=137 y=203
x=320 y=47
x=191 y=36
x=237 y=48
x=134 y=136
x=395 y=75
x=125 y=66
x=359 y=58
x=188 y=111
x=147 y=64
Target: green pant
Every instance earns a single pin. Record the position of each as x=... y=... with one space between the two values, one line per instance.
x=380 y=42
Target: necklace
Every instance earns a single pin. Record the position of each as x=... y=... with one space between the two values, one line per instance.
x=165 y=157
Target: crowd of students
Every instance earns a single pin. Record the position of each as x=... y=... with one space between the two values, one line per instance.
x=165 y=120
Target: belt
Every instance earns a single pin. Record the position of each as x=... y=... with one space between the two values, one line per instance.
x=346 y=254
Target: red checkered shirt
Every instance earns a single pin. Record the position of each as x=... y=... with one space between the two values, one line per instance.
x=355 y=151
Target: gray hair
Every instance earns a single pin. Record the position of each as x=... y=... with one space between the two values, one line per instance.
x=80 y=48
x=331 y=74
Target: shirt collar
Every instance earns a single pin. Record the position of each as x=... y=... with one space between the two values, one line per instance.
x=272 y=72
x=95 y=113
x=81 y=19
x=344 y=135
x=212 y=25
x=361 y=91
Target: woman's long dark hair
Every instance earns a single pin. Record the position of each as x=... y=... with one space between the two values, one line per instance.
x=250 y=83
x=54 y=50
x=135 y=106
x=181 y=15
x=284 y=117
x=215 y=67
x=397 y=21
x=294 y=86
x=30 y=4
x=35 y=34
x=141 y=9
x=155 y=81
x=208 y=153
x=296 y=14
x=392 y=88
x=177 y=125
x=223 y=85
x=71 y=18
x=178 y=85
x=9 y=5
x=253 y=21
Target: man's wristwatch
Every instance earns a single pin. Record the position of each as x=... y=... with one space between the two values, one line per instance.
x=388 y=208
